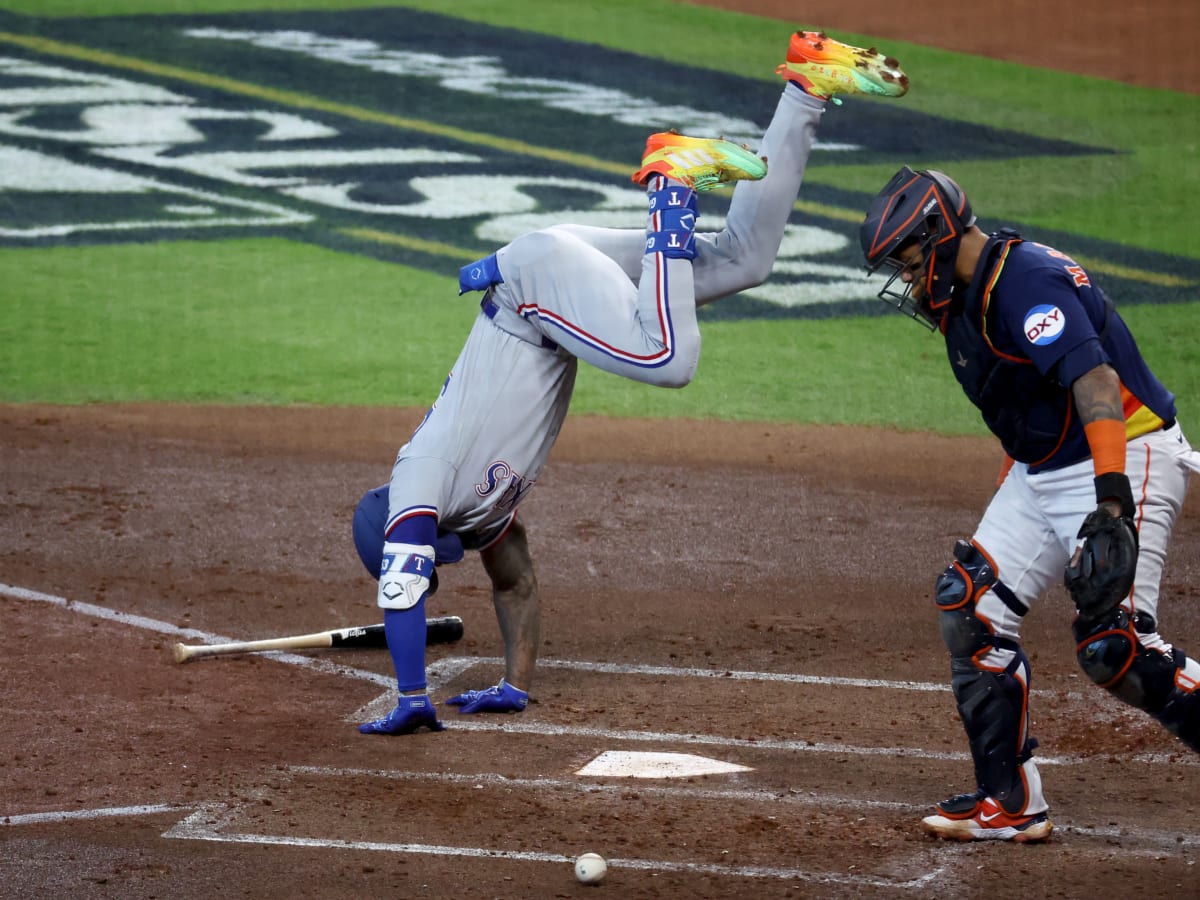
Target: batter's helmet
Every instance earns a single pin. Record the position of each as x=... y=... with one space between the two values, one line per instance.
x=926 y=209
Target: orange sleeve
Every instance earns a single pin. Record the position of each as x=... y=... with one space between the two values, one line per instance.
x=1106 y=438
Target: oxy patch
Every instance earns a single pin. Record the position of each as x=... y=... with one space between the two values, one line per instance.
x=1044 y=324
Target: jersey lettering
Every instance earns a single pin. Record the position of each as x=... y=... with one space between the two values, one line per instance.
x=517 y=488
x=1080 y=276
x=515 y=485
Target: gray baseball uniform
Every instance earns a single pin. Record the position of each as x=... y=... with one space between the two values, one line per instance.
x=570 y=293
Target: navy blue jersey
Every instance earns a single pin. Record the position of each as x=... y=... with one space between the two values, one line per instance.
x=1030 y=323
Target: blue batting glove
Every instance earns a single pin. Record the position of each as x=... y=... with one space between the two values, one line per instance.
x=502 y=698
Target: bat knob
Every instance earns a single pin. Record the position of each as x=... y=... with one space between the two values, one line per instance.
x=181 y=653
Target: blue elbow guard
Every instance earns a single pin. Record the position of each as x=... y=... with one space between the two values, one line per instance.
x=479 y=275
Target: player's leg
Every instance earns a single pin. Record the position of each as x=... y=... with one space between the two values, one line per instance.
x=368 y=528
x=742 y=254
x=405 y=580
x=583 y=300
x=982 y=598
x=1124 y=652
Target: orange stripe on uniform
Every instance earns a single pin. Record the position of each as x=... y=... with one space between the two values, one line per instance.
x=1139 y=418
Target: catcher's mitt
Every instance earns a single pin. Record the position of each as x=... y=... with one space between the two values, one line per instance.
x=1101 y=574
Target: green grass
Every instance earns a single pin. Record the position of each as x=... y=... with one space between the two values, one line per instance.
x=255 y=321
x=269 y=321
x=1144 y=197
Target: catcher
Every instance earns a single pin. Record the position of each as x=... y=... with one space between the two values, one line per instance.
x=1090 y=437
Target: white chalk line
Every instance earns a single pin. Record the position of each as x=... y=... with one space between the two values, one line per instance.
x=739 y=795
x=197 y=827
x=452 y=666
x=548 y=729
x=192 y=634
x=74 y=815
x=1157 y=837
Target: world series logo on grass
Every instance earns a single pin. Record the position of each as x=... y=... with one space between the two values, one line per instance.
x=394 y=134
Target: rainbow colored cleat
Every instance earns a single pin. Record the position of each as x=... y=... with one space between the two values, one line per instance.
x=700 y=163
x=823 y=67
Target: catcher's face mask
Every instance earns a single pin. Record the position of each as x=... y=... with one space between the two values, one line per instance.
x=923 y=213
x=909 y=273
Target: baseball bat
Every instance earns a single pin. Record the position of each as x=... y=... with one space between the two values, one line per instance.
x=439 y=630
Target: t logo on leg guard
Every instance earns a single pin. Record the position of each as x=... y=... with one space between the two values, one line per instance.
x=672 y=223
x=405 y=575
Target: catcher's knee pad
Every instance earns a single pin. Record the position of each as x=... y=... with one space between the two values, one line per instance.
x=1181 y=712
x=956 y=592
x=1111 y=655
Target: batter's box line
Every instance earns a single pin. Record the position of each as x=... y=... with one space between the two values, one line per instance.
x=719 y=674
x=383 y=702
x=1155 y=840
x=452 y=666
x=733 y=795
x=198 y=827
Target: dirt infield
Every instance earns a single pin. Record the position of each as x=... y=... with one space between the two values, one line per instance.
x=753 y=594
x=1148 y=43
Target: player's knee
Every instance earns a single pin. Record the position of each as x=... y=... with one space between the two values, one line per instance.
x=370 y=519
x=405 y=576
x=963 y=633
x=1105 y=650
x=532 y=249
x=955 y=592
x=754 y=270
x=369 y=523
x=1112 y=656
x=676 y=377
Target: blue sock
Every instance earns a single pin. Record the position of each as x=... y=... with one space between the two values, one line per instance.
x=405 y=628
x=405 y=631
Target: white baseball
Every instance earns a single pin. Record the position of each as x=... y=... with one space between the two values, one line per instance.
x=590 y=868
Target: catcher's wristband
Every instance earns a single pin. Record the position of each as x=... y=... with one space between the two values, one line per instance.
x=1115 y=486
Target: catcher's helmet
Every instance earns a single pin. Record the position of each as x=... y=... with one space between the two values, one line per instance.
x=926 y=209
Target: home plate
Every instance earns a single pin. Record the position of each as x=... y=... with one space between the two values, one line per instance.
x=623 y=764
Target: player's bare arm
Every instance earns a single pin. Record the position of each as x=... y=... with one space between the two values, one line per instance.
x=1098 y=395
x=514 y=594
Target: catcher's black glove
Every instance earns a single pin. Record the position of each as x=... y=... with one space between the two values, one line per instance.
x=1102 y=574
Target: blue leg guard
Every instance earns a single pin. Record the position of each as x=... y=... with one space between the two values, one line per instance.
x=672 y=223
